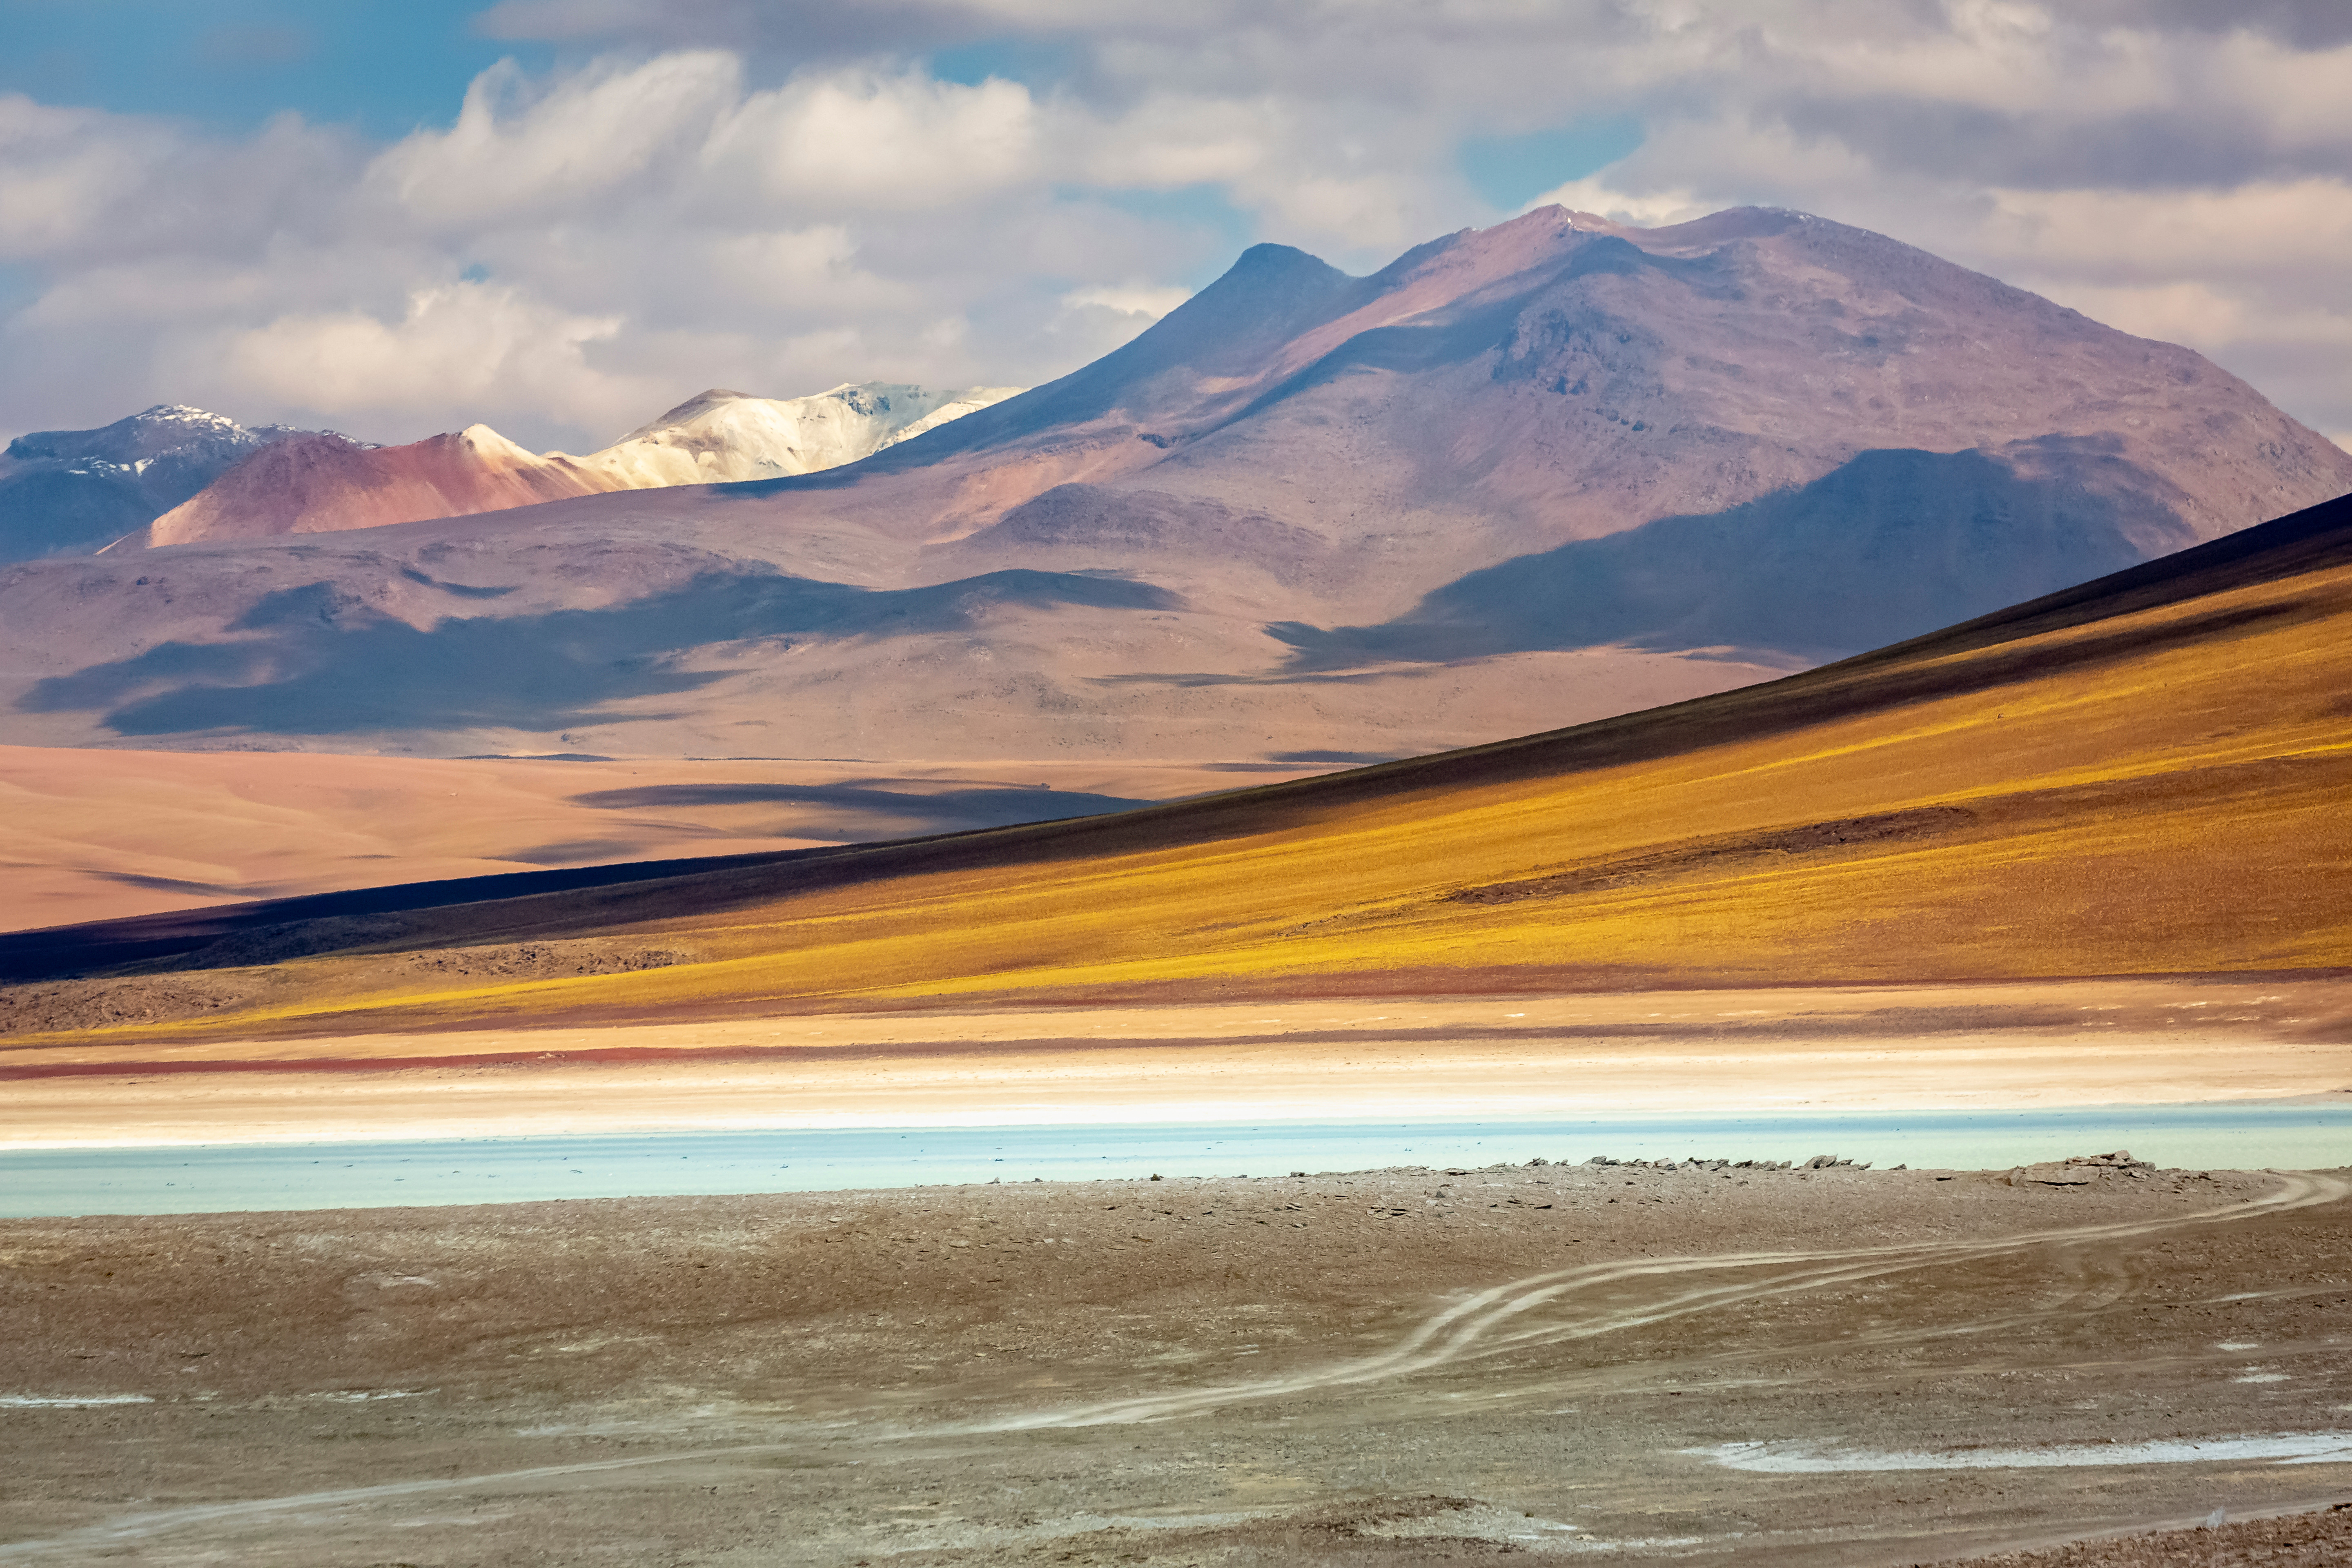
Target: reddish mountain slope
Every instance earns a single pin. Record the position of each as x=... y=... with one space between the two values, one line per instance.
x=321 y=483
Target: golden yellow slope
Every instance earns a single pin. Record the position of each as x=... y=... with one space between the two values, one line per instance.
x=2154 y=790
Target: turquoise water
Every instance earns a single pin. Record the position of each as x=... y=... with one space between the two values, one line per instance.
x=222 y=1178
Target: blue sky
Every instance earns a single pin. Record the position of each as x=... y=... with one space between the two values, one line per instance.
x=382 y=68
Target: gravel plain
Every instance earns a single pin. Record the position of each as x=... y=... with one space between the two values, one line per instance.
x=1401 y=1366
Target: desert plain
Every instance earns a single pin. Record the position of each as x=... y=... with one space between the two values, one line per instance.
x=1708 y=1363
x=99 y=834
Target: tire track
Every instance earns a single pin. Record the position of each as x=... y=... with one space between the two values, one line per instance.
x=1469 y=1328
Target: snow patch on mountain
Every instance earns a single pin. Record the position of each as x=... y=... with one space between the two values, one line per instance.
x=721 y=437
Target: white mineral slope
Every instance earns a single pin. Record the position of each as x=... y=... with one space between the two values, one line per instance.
x=721 y=437
x=970 y=401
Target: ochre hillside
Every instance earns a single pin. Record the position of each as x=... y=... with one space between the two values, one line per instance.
x=2145 y=776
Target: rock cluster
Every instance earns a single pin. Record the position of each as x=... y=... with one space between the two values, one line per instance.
x=2080 y=1170
x=2121 y=1160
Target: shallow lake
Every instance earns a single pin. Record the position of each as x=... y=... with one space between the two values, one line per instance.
x=217 y=1178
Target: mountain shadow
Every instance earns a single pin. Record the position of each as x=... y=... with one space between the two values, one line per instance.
x=60 y=512
x=1892 y=543
x=943 y=811
x=316 y=661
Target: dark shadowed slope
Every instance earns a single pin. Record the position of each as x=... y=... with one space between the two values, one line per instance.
x=1888 y=543
x=309 y=664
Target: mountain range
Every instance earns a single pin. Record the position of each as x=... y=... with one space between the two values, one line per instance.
x=1521 y=476
x=325 y=483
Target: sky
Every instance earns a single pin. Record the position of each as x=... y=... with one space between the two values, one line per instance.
x=559 y=217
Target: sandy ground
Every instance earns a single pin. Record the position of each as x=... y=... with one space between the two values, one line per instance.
x=98 y=834
x=1698 y=1365
x=2319 y=1537
x=1699 y=1052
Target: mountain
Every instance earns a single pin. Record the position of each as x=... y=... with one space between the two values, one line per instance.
x=1503 y=399
x=321 y=483
x=327 y=484
x=2142 y=774
x=69 y=492
x=1520 y=478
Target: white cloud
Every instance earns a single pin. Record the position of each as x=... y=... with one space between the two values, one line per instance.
x=569 y=255
x=853 y=142
x=781 y=195
x=516 y=154
x=61 y=168
x=455 y=347
x=1635 y=209
x=1131 y=300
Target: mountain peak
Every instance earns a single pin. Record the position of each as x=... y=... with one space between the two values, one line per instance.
x=149 y=433
x=708 y=398
x=1269 y=257
x=1270 y=294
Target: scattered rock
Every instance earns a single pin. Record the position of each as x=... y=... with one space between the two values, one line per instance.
x=100 y=1004
x=2121 y=1160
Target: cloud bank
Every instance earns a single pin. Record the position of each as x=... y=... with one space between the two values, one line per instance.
x=778 y=196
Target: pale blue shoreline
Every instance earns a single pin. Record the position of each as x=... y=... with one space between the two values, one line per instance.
x=233 y=1178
